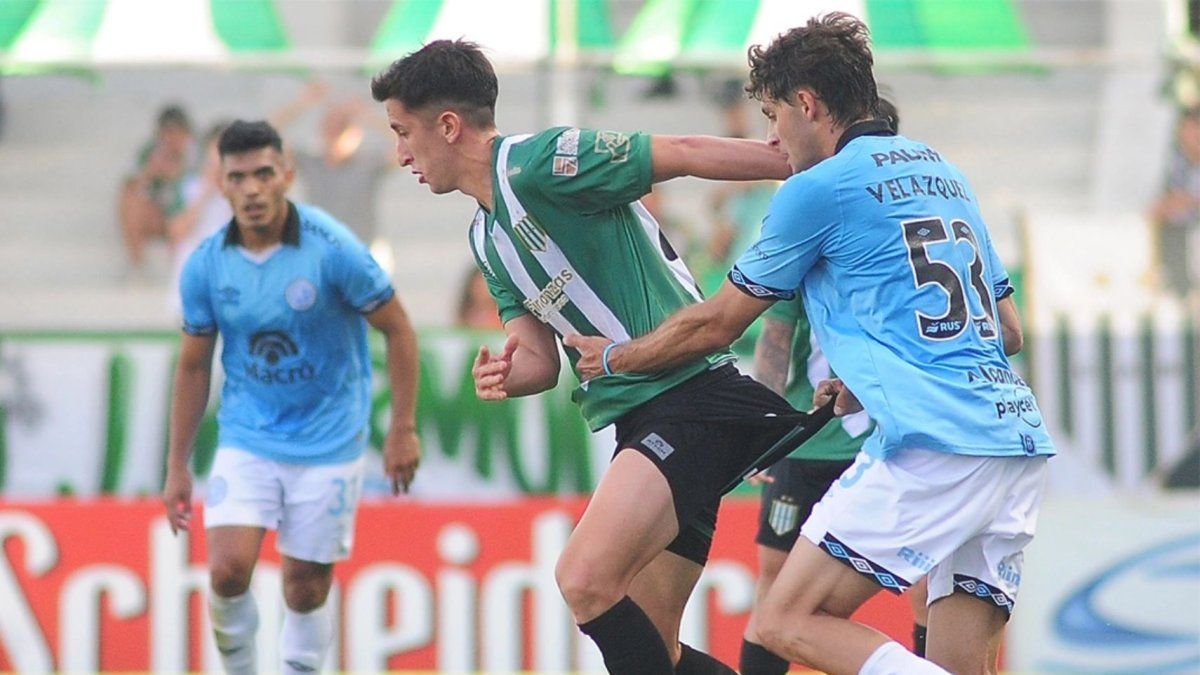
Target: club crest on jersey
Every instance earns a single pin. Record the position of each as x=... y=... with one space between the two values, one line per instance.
x=613 y=143
x=565 y=166
x=784 y=516
x=531 y=235
x=301 y=294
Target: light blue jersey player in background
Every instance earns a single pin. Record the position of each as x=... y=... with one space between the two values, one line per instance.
x=290 y=291
x=911 y=306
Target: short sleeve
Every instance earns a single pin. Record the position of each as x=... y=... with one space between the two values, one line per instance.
x=592 y=171
x=195 y=293
x=997 y=276
x=795 y=232
x=360 y=280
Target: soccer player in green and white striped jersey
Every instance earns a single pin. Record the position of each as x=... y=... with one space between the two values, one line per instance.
x=567 y=249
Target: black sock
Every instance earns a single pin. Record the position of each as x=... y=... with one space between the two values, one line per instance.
x=629 y=641
x=919 y=634
x=758 y=660
x=694 y=662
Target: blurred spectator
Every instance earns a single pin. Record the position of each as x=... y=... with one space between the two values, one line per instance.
x=476 y=309
x=345 y=175
x=153 y=192
x=1176 y=214
x=205 y=209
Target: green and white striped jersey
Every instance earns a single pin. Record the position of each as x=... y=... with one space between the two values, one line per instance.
x=569 y=243
x=843 y=437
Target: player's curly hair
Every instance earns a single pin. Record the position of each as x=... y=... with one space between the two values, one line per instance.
x=451 y=73
x=831 y=55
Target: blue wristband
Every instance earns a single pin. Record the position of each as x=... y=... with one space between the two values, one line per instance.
x=604 y=358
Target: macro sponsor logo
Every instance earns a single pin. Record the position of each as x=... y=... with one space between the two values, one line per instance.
x=269 y=348
x=551 y=298
x=916 y=558
x=1137 y=615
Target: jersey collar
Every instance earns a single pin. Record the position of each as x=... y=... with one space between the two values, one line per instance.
x=291 y=229
x=864 y=128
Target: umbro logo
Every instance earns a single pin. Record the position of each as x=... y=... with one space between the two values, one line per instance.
x=228 y=295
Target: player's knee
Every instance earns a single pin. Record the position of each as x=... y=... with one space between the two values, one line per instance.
x=784 y=632
x=586 y=591
x=230 y=578
x=305 y=596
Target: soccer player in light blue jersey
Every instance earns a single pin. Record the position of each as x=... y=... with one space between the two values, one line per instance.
x=913 y=310
x=290 y=291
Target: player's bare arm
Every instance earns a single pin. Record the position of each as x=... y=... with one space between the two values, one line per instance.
x=715 y=158
x=401 y=447
x=1010 y=326
x=692 y=332
x=193 y=375
x=527 y=364
x=773 y=354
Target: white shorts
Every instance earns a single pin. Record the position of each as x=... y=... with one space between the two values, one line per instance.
x=962 y=520
x=312 y=506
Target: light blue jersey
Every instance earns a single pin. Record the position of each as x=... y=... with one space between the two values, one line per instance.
x=900 y=281
x=297 y=372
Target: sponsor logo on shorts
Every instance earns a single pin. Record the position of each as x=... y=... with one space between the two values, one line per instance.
x=916 y=559
x=784 y=516
x=1009 y=573
x=658 y=445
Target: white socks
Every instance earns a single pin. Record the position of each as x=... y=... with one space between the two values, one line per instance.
x=893 y=659
x=234 y=623
x=304 y=641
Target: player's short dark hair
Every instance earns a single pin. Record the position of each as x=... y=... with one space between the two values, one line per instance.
x=242 y=136
x=173 y=115
x=451 y=73
x=831 y=55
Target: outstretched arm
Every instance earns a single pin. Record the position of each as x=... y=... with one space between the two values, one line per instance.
x=694 y=331
x=715 y=158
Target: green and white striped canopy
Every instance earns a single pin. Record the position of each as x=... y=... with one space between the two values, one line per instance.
x=14 y=14
x=513 y=32
x=81 y=34
x=706 y=34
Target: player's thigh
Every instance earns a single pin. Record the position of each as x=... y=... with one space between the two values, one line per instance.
x=770 y=561
x=662 y=589
x=628 y=522
x=812 y=582
x=232 y=555
x=319 y=512
x=918 y=599
x=964 y=634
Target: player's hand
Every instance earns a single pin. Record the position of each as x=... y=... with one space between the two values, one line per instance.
x=490 y=372
x=401 y=456
x=846 y=402
x=591 y=354
x=177 y=497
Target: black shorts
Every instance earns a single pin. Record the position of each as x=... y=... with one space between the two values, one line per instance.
x=786 y=501
x=704 y=435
